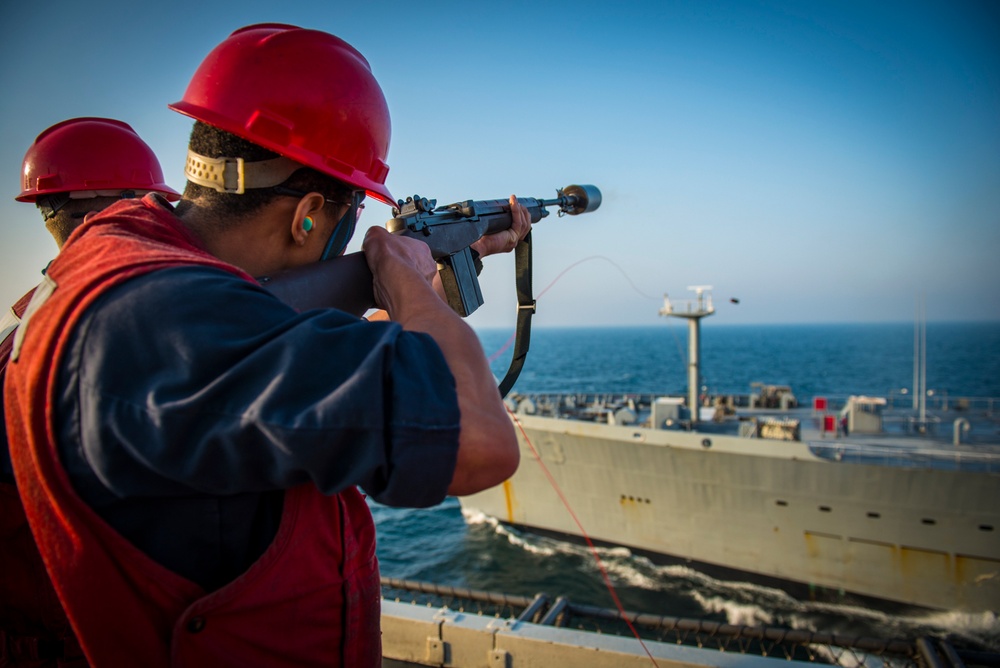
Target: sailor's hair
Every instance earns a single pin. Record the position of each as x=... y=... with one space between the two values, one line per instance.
x=212 y=142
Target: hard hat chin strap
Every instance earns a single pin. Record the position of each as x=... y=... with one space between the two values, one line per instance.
x=235 y=175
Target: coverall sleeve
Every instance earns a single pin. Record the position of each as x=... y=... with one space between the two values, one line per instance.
x=191 y=380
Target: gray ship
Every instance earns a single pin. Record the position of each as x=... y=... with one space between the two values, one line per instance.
x=849 y=495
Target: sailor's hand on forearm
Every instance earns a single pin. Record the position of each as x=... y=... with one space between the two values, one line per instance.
x=506 y=240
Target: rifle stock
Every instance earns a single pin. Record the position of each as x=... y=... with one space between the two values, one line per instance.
x=343 y=283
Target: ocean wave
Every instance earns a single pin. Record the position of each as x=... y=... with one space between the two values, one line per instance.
x=511 y=535
x=743 y=614
x=747 y=603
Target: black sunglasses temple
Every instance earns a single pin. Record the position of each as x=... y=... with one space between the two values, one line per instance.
x=345 y=229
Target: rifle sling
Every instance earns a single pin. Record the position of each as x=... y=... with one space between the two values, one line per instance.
x=525 y=309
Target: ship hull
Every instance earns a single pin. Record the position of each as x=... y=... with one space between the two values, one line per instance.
x=916 y=536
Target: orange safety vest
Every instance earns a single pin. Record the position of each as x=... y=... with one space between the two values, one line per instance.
x=312 y=598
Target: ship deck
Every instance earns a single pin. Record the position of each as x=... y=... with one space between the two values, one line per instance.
x=960 y=434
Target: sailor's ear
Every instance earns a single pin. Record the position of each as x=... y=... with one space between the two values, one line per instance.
x=306 y=217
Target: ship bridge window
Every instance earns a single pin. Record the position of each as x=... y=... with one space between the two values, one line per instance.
x=986 y=527
x=874 y=515
x=929 y=521
x=779 y=502
x=825 y=509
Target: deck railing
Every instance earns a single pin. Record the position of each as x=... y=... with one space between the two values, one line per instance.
x=779 y=643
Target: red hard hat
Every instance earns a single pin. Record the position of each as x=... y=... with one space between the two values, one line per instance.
x=90 y=154
x=303 y=94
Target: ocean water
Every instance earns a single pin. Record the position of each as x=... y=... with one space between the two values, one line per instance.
x=962 y=359
x=441 y=545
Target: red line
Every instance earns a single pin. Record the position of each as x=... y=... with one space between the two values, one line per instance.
x=555 y=280
x=562 y=497
x=586 y=537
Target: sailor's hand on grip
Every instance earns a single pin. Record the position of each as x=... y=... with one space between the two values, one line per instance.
x=399 y=266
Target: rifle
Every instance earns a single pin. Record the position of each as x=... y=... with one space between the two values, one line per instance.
x=345 y=283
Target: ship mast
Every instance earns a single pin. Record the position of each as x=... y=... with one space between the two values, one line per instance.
x=694 y=311
x=920 y=364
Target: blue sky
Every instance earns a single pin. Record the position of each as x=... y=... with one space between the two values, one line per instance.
x=818 y=161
